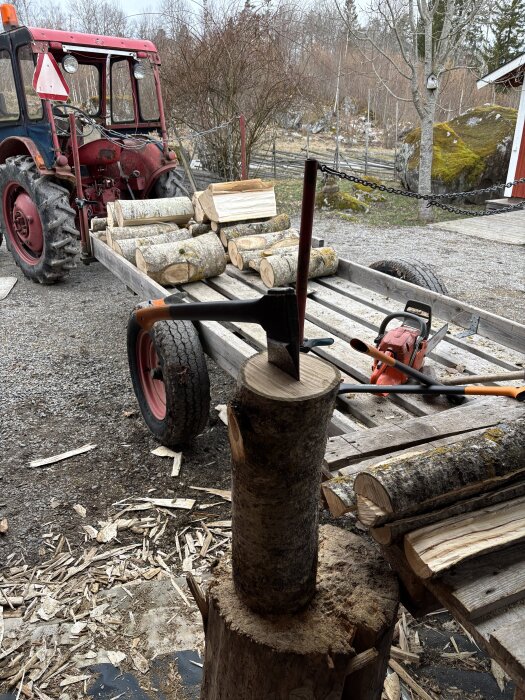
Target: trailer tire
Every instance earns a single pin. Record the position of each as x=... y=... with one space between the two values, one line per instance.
x=38 y=221
x=175 y=403
x=412 y=271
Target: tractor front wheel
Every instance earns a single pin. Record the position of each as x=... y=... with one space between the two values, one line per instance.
x=37 y=220
x=170 y=379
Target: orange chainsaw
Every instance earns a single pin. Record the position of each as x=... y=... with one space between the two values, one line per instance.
x=408 y=343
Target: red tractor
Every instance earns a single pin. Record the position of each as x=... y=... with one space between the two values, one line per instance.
x=61 y=162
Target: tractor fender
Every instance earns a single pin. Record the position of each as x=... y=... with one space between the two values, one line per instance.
x=150 y=183
x=23 y=146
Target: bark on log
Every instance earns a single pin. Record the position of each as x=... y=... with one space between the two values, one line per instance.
x=275 y=482
x=410 y=485
x=246 y=257
x=186 y=261
x=118 y=234
x=281 y=222
x=127 y=247
x=198 y=212
x=97 y=224
x=136 y=212
x=280 y=270
x=199 y=229
x=307 y=655
x=261 y=241
x=240 y=200
x=110 y=214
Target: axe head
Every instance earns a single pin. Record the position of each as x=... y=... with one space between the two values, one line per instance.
x=280 y=320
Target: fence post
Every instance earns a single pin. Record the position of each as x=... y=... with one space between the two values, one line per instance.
x=274 y=158
x=242 y=127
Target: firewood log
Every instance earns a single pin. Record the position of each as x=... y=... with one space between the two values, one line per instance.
x=128 y=246
x=97 y=224
x=185 y=261
x=118 y=234
x=199 y=229
x=136 y=212
x=110 y=214
x=251 y=259
x=198 y=212
x=237 y=201
x=280 y=269
x=262 y=241
x=228 y=233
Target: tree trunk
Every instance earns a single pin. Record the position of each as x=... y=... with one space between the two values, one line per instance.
x=118 y=234
x=275 y=481
x=244 y=260
x=280 y=270
x=127 y=247
x=426 y=155
x=336 y=649
x=409 y=485
x=188 y=261
x=259 y=242
x=277 y=223
x=135 y=212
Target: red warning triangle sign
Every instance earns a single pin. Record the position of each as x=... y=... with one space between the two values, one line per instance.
x=48 y=81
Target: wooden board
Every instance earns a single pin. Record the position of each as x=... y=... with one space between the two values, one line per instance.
x=6 y=285
x=509 y=645
x=436 y=548
x=503 y=228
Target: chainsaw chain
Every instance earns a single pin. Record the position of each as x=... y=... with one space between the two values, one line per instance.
x=432 y=200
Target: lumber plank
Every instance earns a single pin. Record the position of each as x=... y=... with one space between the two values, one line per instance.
x=509 y=645
x=436 y=548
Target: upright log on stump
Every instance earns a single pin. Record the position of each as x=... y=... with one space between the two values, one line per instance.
x=271 y=631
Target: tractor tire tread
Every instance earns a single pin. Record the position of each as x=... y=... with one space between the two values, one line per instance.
x=413 y=271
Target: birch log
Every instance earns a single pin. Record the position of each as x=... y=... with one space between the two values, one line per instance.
x=97 y=224
x=237 y=201
x=189 y=260
x=280 y=270
x=277 y=223
x=136 y=212
x=110 y=214
x=118 y=234
x=404 y=487
x=261 y=241
x=251 y=259
x=199 y=229
x=198 y=212
x=127 y=247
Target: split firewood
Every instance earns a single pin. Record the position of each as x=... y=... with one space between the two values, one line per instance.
x=238 y=201
x=198 y=212
x=128 y=247
x=263 y=241
x=199 y=229
x=110 y=215
x=281 y=222
x=402 y=487
x=280 y=269
x=117 y=234
x=137 y=212
x=190 y=260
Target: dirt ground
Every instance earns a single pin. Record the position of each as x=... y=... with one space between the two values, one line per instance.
x=64 y=382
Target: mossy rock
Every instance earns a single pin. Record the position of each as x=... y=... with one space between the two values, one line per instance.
x=470 y=152
x=339 y=201
x=365 y=188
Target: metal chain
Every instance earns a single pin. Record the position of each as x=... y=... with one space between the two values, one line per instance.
x=433 y=200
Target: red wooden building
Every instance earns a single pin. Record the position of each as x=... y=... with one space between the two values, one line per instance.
x=513 y=75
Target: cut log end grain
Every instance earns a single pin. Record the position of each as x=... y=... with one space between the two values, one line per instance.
x=135 y=212
x=190 y=260
x=281 y=269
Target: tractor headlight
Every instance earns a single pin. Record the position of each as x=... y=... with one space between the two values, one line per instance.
x=70 y=63
x=138 y=70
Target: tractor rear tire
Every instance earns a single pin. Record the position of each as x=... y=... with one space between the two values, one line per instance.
x=412 y=271
x=171 y=184
x=38 y=221
x=170 y=379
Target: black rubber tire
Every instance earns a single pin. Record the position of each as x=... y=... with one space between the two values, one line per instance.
x=171 y=184
x=185 y=376
x=412 y=271
x=61 y=248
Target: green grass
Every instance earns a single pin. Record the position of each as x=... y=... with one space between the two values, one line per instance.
x=394 y=211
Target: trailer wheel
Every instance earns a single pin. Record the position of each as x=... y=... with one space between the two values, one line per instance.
x=170 y=379
x=412 y=271
x=38 y=221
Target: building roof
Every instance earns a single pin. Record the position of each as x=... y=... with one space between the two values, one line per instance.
x=92 y=40
x=512 y=74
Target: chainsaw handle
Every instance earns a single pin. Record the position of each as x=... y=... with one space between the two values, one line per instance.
x=424 y=327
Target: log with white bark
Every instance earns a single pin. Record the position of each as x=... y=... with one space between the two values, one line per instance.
x=136 y=212
x=111 y=214
x=281 y=222
x=186 y=261
x=97 y=224
x=199 y=229
x=127 y=247
x=281 y=269
x=259 y=242
x=118 y=234
x=251 y=259
x=407 y=486
x=198 y=212
x=238 y=201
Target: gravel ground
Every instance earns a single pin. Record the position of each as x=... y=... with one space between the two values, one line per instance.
x=485 y=274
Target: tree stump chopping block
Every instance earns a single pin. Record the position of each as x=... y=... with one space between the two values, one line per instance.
x=336 y=649
x=278 y=431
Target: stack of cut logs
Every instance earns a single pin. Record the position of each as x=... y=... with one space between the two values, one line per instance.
x=175 y=240
x=435 y=509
